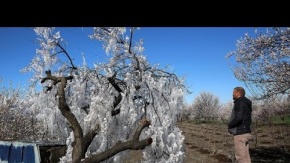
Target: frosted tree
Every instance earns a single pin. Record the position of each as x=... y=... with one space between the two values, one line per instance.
x=263 y=62
x=111 y=108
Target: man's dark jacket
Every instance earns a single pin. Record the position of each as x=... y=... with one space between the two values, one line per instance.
x=242 y=116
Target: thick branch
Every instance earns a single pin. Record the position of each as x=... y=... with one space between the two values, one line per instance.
x=85 y=108
x=115 y=112
x=114 y=84
x=53 y=78
x=117 y=99
x=143 y=123
x=50 y=77
x=78 y=145
x=133 y=144
x=89 y=137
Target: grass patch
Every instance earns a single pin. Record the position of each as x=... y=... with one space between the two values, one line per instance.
x=278 y=120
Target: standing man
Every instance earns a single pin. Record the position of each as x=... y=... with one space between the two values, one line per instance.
x=239 y=125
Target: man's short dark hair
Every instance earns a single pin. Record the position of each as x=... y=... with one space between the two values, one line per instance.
x=241 y=90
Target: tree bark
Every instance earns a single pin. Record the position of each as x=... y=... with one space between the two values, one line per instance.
x=133 y=144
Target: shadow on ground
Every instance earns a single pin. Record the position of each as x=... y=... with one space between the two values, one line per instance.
x=270 y=154
x=263 y=155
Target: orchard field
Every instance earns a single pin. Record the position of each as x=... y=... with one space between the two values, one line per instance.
x=211 y=143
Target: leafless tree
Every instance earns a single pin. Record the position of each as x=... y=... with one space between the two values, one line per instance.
x=281 y=106
x=206 y=106
x=185 y=113
x=225 y=111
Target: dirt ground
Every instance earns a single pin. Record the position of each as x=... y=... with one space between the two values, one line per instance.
x=211 y=143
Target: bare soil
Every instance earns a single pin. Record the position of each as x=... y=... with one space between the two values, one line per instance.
x=211 y=143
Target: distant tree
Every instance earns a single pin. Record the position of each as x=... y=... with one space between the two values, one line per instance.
x=186 y=113
x=264 y=111
x=224 y=112
x=8 y=96
x=257 y=109
x=111 y=108
x=205 y=106
x=15 y=123
x=281 y=107
x=263 y=62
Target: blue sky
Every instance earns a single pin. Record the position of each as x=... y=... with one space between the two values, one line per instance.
x=198 y=53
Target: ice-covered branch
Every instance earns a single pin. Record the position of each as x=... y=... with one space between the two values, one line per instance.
x=134 y=144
